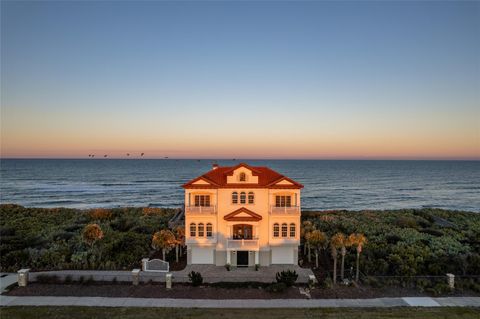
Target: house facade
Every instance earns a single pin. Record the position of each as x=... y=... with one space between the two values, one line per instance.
x=242 y=215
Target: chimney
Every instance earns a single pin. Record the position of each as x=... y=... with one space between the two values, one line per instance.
x=214 y=166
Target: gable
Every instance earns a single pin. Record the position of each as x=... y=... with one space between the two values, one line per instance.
x=284 y=182
x=250 y=177
x=242 y=215
x=201 y=182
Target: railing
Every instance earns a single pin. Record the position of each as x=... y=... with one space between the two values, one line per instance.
x=285 y=210
x=200 y=209
x=242 y=243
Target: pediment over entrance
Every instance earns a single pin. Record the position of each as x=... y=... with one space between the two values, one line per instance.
x=242 y=215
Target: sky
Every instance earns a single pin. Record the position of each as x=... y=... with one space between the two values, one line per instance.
x=226 y=79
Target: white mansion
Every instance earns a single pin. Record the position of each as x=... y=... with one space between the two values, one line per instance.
x=242 y=216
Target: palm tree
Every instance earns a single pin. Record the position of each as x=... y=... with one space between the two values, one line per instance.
x=343 y=251
x=180 y=235
x=164 y=240
x=337 y=241
x=317 y=240
x=307 y=227
x=357 y=240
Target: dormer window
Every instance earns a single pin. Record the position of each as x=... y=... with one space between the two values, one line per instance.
x=242 y=177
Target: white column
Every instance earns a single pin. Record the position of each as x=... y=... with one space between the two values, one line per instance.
x=228 y=256
x=257 y=257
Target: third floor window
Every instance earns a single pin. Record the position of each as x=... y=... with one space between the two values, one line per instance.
x=202 y=200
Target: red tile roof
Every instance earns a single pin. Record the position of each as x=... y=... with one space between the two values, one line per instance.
x=217 y=178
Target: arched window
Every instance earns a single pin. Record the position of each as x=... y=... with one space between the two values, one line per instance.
x=234 y=198
x=292 y=230
x=276 y=230
x=243 y=198
x=251 y=198
x=284 y=230
x=193 y=230
x=209 y=230
x=201 y=230
x=242 y=177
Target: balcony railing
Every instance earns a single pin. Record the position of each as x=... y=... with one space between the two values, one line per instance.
x=285 y=210
x=200 y=209
x=236 y=244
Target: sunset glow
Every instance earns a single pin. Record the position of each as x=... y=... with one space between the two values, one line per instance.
x=241 y=80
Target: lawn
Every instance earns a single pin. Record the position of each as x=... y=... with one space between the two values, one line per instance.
x=171 y=313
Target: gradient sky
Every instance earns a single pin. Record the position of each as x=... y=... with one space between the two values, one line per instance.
x=241 y=79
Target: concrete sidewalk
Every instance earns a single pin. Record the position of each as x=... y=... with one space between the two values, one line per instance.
x=240 y=303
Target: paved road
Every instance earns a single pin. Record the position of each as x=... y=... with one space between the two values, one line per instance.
x=246 y=303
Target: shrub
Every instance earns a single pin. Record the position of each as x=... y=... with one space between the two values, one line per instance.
x=68 y=279
x=92 y=233
x=276 y=287
x=100 y=214
x=433 y=232
x=195 y=278
x=327 y=283
x=406 y=222
x=227 y=266
x=257 y=267
x=288 y=277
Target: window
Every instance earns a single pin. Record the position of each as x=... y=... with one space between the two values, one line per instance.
x=243 y=198
x=283 y=201
x=284 y=230
x=292 y=230
x=242 y=231
x=251 y=198
x=276 y=230
x=201 y=230
x=234 y=198
x=242 y=177
x=193 y=230
x=202 y=200
x=209 y=230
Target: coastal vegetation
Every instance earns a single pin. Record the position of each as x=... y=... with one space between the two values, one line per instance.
x=61 y=238
x=387 y=247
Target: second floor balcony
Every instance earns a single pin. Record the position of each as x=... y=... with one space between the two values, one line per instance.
x=285 y=210
x=200 y=209
x=242 y=244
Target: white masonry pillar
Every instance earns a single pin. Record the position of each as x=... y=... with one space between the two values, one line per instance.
x=257 y=257
x=228 y=256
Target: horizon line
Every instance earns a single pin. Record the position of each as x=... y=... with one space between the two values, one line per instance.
x=252 y=159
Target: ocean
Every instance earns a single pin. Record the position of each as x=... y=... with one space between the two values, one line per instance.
x=329 y=184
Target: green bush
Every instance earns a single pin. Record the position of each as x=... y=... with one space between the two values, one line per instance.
x=276 y=287
x=288 y=277
x=195 y=278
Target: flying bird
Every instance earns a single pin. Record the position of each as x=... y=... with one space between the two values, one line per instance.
x=105 y=155
x=142 y=154
x=128 y=154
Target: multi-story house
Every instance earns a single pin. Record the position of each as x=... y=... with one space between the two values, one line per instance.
x=242 y=216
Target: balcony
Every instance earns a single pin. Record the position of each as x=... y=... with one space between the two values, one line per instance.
x=286 y=210
x=242 y=244
x=200 y=210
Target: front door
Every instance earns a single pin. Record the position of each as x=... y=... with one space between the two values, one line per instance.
x=242 y=258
